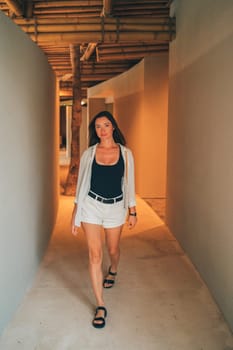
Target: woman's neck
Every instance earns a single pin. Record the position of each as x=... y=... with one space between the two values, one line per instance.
x=107 y=144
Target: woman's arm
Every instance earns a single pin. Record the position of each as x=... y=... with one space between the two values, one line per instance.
x=131 y=180
x=132 y=217
x=74 y=229
x=81 y=172
x=82 y=166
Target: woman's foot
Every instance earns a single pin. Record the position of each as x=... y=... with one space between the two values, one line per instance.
x=110 y=279
x=100 y=315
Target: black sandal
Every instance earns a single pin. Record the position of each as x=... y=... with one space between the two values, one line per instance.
x=102 y=319
x=109 y=281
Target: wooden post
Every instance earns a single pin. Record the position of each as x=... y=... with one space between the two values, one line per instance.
x=70 y=187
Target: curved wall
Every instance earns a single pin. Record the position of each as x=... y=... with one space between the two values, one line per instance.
x=140 y=101
x=28 y=156
x=200 y=142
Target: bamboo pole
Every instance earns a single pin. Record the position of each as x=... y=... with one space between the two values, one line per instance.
x=64 y=3
x=67 y=3
x=131 y=55
x=84 y=12
x=95 y=77
x=15 y=6
x=107 y=37
x=65 y=71
x=88 y=52
x=92 y=21
x=98 y=30
x=71 y=181
x=108 y=27
x=107 y=8
x=112 y=49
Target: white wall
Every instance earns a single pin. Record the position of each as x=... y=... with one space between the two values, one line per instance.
x=200 y=142
x=28 y=156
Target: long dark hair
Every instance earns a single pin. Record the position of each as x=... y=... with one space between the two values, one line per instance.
x=117 y=134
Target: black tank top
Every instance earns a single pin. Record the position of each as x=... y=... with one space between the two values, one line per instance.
x=106 y=180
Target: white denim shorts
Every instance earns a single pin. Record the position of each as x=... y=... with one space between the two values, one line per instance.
x=106 y=215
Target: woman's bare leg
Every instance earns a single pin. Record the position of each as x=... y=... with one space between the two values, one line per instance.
x=113 y=236
x=94 y=241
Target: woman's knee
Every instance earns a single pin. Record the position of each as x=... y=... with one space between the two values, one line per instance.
x=114 y=251
x=95 y=257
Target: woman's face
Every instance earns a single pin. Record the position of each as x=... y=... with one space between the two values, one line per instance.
x=104 y=128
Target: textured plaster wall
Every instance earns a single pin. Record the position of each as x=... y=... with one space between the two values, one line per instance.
x=153 y=144
x=28 y=156
x=200 y=142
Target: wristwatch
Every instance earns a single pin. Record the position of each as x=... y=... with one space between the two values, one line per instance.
x=133 y=214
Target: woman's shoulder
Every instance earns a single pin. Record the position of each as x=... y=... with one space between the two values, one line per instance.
x=126 y=152
x=89 y=151
x=125 y=149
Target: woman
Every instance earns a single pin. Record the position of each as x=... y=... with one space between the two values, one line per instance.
x=105 y=194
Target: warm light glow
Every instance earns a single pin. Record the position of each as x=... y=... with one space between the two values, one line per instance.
x=83 y=102
x=65 y=93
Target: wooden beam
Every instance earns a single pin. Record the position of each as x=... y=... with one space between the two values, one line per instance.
x=91 y=21
x=64 y=92
x=15 y=6
x=107 y=8
x=107 y=30
x=65 y=72
x=100 y=28
x=108 y=37
x=128 y=51
x=91 y=77
x=28 y=11
x=67 y=3
x=169 y=3
x=88 y=52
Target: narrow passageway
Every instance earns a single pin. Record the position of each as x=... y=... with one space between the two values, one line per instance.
x=159 y=301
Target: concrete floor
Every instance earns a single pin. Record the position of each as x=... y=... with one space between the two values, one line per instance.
x=159 y=301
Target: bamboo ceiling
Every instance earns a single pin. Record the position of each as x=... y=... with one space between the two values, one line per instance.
x=113 y=35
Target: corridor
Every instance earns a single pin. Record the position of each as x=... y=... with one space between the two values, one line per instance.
x=159 y=301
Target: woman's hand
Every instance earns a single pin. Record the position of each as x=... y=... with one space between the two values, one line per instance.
x=132 y=220
x=74 y=230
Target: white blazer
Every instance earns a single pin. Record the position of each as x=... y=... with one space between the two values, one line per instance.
x=84 y=179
